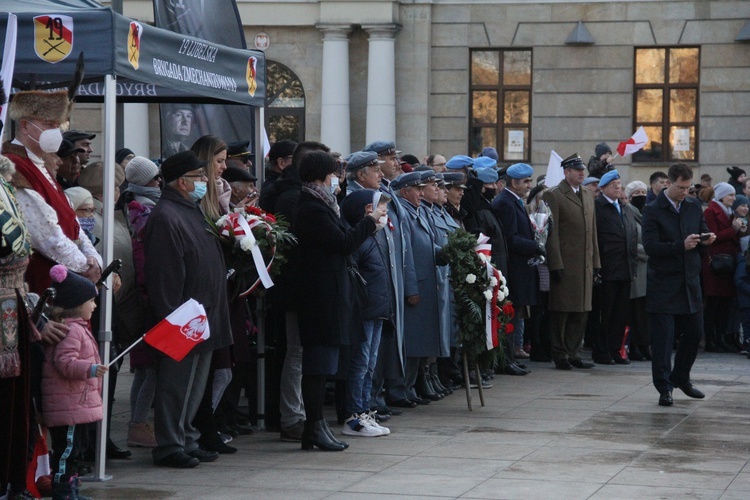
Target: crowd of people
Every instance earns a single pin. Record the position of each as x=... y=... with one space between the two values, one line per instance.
x=362 y=314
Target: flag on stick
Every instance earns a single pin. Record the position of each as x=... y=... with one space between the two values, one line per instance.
x=38 y=466
x=554 y=170
x=177 y=334
x=635 y=143
x=8 y=63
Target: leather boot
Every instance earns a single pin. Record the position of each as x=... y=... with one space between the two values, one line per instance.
x=333 y=436
x=433 y=370
x=424 y=388
x=315 y=435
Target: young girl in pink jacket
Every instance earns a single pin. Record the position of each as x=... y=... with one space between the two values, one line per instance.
x=71 y=379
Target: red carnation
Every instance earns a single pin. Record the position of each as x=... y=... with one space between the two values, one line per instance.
x=270 y=218
x=508 y=309
x=509 y=328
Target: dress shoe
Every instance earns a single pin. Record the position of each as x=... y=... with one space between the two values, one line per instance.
x=115 y=453
x=420 y=401
x=579 y=363
x=563 y=364
x=602 y=358
x=242 y=429
x=689 y=389
x=212 y=442
x=521 y=354
x=315 y=436
x=404 y=403
x=665 y=399
x=178 y=460
x=292 y=433
x=634 y=354
x=204 y=455
x=380 y=417
x=229 y=431
x=619 y=360
x=514 y=369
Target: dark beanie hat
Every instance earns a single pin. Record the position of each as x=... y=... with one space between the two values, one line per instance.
x=601 y=148
x=735 y=172
x=72 y=289
x=179 y=164
x=121 y=154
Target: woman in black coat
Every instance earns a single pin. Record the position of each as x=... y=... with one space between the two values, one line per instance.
x=325 y=306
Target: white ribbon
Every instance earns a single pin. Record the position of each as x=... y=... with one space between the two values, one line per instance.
x=260 y=265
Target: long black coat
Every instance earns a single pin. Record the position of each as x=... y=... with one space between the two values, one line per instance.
x=184 y=261
x=618 y=241
x=674 y=283
x=485 y=222
x=325 y=296
x=523 y=280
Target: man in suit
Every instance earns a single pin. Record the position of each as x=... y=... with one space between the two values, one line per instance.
x=673 y=229
x=572 y=256
x=618 y=251
x=523 y=279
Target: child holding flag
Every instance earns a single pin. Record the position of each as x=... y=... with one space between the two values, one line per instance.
x=71 y=385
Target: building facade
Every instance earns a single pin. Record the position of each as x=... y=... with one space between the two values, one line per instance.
x=527 y=77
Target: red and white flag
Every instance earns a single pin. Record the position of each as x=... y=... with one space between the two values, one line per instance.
x=178 y=333
x=635 y=143
x=38 y=466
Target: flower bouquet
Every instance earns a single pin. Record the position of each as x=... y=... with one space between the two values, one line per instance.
x=255 y=244
x=483 y=310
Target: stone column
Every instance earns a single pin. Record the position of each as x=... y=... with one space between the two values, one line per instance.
x=334 y=110
x=381 y=82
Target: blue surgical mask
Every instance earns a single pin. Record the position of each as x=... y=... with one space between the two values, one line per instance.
x=199 y=191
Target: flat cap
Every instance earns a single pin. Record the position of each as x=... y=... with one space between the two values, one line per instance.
x=74 y=135
x=454 y=179
x=236 y=174
x=382 y=147
x=427 y=176
x=590 y=180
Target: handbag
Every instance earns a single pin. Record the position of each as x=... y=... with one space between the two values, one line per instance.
x=722 y=264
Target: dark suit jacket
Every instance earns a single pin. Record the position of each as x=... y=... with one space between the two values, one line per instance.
x=674 y=285
x=618 y=241
x=523 y=280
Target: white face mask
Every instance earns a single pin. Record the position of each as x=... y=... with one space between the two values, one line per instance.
x=49 y=140
x=381 y=223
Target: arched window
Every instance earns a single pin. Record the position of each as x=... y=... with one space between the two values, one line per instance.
x=285 y=104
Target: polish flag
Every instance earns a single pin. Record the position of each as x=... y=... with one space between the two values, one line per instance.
x=38 y=466
x=178 y=333
x=635 y=143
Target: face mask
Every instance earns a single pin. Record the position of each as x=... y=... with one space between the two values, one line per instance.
x=382 y=222
x=489 y=193
x=638 y=202
x=199 y=191
x=87 y=223
x=49 y=140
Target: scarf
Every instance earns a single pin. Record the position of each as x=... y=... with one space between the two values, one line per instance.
x=152 y=193
x=322 y=193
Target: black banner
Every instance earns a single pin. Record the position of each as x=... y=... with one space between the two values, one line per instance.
x=209 y=20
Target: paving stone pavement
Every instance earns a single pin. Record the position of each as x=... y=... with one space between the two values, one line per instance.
x=581 y=434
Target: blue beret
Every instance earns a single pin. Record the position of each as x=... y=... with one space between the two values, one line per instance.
x=519 y=171
x=382 y=147
x=487 y=175
x=427 y=175
x=489 y=152
x=459 y=161
x=484 y=162
x=406 y=180
x=454 y=179
x=609 y=177
x=361 y=159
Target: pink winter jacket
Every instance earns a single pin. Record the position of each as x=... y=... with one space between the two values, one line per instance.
x=69 y=396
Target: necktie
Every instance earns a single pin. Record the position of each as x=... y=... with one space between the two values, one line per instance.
x=520 y=202
x=617 y=206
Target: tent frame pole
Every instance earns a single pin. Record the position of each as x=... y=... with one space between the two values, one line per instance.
x=108 y=216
